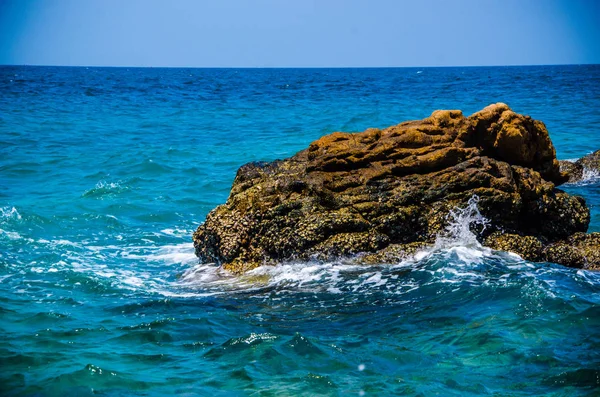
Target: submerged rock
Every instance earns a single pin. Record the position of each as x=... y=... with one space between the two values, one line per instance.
x=387 y=192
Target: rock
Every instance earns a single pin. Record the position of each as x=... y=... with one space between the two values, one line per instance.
x=586 y=167
x=527 y=247
x=573 y=170
x=383 y=192
x=393 y=253
x=579 y=250
x=591 y=162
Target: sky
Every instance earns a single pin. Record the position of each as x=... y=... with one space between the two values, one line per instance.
x=299 y=33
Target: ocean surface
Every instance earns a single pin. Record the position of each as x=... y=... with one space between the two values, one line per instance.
x=106 y=172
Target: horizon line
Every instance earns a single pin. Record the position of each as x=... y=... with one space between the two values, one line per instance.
x=296 y=67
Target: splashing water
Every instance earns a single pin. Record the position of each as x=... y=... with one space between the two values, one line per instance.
x=456 y=252
x=590 y=175
x=459 y=230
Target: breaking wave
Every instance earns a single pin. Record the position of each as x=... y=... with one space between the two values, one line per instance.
x=456 y=258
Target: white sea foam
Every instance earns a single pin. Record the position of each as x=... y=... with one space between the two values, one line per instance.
x=176 y=232
x=10 y=235
x=165 y=255
x=172 y=270
x=150 y=268
x=145 y=267
x=65 y=242
x=173 y=254
x=305 y=276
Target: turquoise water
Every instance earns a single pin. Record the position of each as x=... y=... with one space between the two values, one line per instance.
x=106 y=172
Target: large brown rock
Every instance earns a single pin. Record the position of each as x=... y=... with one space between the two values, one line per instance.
x=388 y=191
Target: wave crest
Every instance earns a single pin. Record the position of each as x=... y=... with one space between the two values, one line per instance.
x=104 y=188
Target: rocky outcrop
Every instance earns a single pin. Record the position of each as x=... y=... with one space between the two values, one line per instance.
x=585 y=167
x=385 y=193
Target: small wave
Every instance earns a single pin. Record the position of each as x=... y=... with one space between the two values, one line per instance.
x=104 y=188
x=153 y=279
x=9 y=213
x=152 y=167
x=457 y=246
x=456 y=265
x=94 y=378
x=150 y=267
x=9 y=216
x=239 y=345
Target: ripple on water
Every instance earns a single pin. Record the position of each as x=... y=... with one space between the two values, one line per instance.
x=95 y=378
x=144 y=336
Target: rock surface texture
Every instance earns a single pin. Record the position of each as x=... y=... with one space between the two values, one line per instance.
x=387 y=193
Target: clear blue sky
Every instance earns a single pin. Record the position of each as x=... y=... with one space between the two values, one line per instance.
x=302 y=33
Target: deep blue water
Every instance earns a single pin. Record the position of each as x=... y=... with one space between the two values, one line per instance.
x=106 y=172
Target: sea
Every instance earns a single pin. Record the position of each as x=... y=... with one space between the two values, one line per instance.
x=105 y=173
